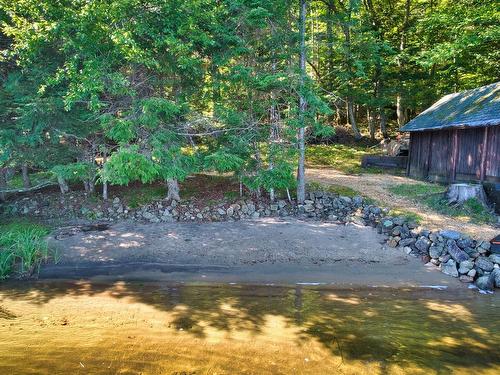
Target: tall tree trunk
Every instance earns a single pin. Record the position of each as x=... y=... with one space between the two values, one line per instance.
x=400 y=109
x=26 y=176
x=352 y=118
x=63 y=185
x=173 y=190
x=301 y=175
x=3 y=183
x=383 y=122
x=104 y=179
x=371 y=123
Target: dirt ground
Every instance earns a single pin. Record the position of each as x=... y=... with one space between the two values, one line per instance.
x=260 y=251
x=376 y=186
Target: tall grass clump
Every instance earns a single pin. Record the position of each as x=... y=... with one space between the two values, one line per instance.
x=22 y=248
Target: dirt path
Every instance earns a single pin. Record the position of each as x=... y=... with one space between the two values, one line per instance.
x=376 y=186
x=261 y=251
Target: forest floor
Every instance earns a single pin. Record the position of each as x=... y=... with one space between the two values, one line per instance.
x=380 y=187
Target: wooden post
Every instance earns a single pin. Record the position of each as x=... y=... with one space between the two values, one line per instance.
x=454 y=156
x=429 y=156
x=409 y=156
x=484 y=149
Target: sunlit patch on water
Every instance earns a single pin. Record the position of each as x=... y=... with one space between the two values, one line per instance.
x=93 y=328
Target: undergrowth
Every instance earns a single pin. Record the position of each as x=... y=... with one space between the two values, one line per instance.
x=22 y=248
x=432 y=196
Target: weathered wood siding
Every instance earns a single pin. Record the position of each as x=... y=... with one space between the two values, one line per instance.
x=432 y=153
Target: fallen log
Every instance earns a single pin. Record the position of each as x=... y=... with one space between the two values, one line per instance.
x=27 y=190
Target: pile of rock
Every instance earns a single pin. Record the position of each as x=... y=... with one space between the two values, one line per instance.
x=455 y=253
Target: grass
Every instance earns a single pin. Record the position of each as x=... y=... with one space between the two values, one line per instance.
x=36 y=178
x=432 y=196
x=143 y=194
x=408 y=215
x=335 y=189
x=341 y=157
x=22 y=247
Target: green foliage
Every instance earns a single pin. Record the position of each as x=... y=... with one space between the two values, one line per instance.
x=74 y=172
x=22 y=246
x=332 y=188
x=342 y=157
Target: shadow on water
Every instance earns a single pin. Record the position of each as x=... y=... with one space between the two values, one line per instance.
x=425 y=329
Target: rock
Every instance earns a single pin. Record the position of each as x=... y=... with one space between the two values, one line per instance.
x=484 y=264
x=465 y=266
x=483 y=247
x=444 y=258
x=357 y=200
x=466 y=279
x=407 y=242
x=423 y=244
x=308 y=208
x=333 y=217
x=281 y=204
x=485 y=282
x=396 y=231
x=221 y=211
x=494 y=258
x=496 y=277
x=435 y=251
x=407 y=250
x=116 y=200
x=255 y=215
x=273 y=207
x=449 y=268
x=472 y=273
x=450 y=234
x=455 y=252
x=199 y=216
x=230 y=211
x=426 y=259
x=464 y=243
x=434 y=237
x=387 y=224
x=393 y=241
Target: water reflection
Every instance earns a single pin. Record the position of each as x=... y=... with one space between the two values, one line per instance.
x=84 y=327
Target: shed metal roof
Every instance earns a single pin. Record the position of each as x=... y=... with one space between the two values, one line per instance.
x=471 y=108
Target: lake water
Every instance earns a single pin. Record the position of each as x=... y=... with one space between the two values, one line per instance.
x=134 y=328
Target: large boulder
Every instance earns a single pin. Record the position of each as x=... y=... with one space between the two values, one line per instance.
x=455 y=252
x=449 y=268
x=484 y=264
x=485 y=282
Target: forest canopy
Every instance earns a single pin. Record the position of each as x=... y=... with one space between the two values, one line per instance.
x=114 y=91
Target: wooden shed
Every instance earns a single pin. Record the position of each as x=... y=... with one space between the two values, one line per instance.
x=458 y=138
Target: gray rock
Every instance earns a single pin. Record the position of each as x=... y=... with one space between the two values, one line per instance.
x=496 y=277
x=396 y=231
x=221 y=211
x=449 y=268
x=407 y=242
x=255 y=215
x=455 y=252
x=465 y=266
x=495 y=258
x=466 y=279
x=357 y=200
x=230 y=211
x=472 y=273
x=333 y=217
x=435 y=251
x=273 y=207
x=484 y=264
x=407 y=250
x=387 y=224
x=450 y=234
x=423 y=244
x=434 y=237
x=464 y=243
x=393 y=241
x=281 y=204
x=444 y=258
x=485 y=282
x=116 y=200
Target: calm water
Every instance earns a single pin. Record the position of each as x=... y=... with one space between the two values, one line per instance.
x=132 y=328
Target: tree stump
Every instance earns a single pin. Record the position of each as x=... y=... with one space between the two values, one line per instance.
x=459 y=193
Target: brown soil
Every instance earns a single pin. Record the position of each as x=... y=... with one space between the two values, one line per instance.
x=376 y=186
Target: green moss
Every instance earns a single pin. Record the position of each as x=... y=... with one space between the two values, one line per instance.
x=335 y=189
